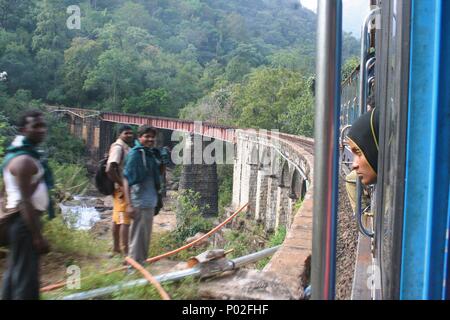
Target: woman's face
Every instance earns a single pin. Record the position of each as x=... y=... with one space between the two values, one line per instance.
x=361 y=165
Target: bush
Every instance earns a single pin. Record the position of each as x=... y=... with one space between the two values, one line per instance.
x=190 y=216
x=275 y=240
x=248 y=238
x=63 y=147
x=225 y=179
x=69 y=179
x=297 y=205
x=177 y=172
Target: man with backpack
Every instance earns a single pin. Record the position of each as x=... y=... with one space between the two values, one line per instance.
x=114 y=168
x=27 y=181
x=142 y=186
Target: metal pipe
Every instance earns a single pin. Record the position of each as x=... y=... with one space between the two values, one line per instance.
x=370 y=63
x=364 y=52
x=253 y=257
x=326 y=155
x=172 y=276
x=341 y=136
x=360 y=211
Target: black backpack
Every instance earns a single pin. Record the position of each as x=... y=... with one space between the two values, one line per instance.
x=103 y=184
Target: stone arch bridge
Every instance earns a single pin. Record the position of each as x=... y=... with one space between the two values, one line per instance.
x=273 y=173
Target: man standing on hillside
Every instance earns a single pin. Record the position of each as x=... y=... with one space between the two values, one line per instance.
x=27 y=180
x=114 y=168
x=142 y=184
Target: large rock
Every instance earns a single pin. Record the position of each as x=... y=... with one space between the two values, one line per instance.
x=245 y=285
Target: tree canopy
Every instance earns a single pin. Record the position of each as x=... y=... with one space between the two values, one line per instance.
x=248 y=58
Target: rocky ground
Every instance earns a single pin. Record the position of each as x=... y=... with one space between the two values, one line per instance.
x=164 y=221
x=346 y=246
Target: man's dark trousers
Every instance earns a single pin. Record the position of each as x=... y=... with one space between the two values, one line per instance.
x=21 y=279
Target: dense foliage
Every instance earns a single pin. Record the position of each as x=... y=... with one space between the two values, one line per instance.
x=160 y=56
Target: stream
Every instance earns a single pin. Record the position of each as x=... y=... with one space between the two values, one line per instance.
x=81 y=213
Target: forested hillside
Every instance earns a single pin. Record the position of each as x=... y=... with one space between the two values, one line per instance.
x=247 y=63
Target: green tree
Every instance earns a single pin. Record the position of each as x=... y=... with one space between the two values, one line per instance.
x=14 y=12
x=4 y=125
x=51 y=30
x=349 y=66
x=80 y=59
x=115 y=76
x=299 y=116
x=48 y=67
x=61 y=145
x=216 y=107
x=134 y=14
x=18 y=62
x=263 y=98
x=150 y=102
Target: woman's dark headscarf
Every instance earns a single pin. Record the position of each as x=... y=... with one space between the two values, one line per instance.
x=364 y=133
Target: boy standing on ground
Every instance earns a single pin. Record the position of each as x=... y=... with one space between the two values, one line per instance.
x=116 y=159
x=142 y=184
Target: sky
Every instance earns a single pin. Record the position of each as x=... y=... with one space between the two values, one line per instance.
x=354 y=12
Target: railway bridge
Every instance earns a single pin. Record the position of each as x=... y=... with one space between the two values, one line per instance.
x=273 y=173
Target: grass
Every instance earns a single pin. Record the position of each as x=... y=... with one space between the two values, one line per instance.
x=68 y=241
x=249 y=237
x=186 y=288
x=91 y=279
x=276 y=239
x=168 y=241
x=297 y=205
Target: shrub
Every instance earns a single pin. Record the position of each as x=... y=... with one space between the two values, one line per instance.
x=69 y=179
x=68 y=241
x=225 y=179
x=276 y=239
x=190 y=218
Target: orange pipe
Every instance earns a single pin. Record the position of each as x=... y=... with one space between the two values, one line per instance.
x=149 y=277
x=156 y=258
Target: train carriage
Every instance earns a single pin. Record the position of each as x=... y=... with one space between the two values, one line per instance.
x=409 y=75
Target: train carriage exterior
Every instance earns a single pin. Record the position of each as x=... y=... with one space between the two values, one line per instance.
x=411 y=84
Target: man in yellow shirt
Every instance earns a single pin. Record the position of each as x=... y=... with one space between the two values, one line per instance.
x=114 y=170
